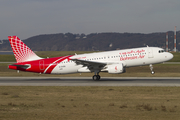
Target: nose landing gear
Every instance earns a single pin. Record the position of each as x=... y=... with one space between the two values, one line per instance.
x=151 y=68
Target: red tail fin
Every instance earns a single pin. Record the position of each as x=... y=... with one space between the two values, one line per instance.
x=21 y=51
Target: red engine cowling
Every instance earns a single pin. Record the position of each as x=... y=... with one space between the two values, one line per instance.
x=116 y=69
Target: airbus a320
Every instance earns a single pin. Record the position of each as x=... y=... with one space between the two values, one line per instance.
x=113 y=62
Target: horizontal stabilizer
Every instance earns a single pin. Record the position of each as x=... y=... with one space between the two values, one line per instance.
x=20 y=66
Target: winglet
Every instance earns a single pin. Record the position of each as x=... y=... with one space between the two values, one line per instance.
x=22 y=52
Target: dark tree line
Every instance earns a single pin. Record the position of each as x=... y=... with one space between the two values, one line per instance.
x=95 y=41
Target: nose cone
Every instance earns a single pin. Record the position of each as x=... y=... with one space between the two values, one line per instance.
x=169 y=56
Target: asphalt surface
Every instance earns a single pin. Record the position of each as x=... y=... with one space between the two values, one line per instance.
x=87 y=81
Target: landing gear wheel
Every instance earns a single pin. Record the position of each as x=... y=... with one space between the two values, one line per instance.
x=152 y=72
x=99 y=77
x=96 y=77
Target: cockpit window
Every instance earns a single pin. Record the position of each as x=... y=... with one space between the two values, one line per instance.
x=161 y=51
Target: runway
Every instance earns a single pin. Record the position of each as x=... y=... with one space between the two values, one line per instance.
x=87 y=81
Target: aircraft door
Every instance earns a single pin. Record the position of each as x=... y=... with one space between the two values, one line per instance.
x=150 y=53
x=41 y=64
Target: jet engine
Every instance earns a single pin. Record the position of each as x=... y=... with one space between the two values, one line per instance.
x=116 y=69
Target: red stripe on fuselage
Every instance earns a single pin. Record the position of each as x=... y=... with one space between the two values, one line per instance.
x=55 y=63
x=48 y=62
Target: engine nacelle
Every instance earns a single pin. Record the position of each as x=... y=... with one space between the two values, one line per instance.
x=116 y=69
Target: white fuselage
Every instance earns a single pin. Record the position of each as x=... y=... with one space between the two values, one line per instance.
x=127 y=57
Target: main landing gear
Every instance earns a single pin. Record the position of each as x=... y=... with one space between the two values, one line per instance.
x=96 y=76
x=151 y=68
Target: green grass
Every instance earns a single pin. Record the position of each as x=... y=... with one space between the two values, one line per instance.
x=7 y=58
x=87 y=103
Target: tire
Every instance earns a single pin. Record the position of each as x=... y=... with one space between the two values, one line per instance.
x=96 y=77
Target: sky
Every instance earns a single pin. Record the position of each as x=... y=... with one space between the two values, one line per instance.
x=27 y=18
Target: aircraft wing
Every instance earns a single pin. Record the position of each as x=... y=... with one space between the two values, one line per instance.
x=91 y=65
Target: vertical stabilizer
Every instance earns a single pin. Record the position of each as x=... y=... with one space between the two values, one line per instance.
x=22 y=52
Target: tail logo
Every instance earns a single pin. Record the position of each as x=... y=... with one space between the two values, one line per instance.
x=21 y=51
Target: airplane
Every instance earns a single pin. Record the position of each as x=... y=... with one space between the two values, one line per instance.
x=113 y=62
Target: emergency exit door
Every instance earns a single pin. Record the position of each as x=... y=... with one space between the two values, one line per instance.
x=150 y=53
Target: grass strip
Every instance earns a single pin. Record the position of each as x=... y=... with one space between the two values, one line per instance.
x=97 y=103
